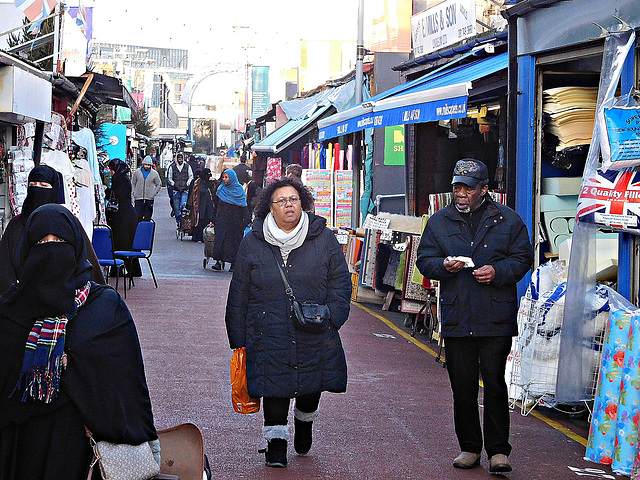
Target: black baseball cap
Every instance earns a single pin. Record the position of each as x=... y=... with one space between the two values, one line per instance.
x=470 y=172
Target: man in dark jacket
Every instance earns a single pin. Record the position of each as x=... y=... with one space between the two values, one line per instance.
x=478 y=250
x=179 y=178
x=243 y=171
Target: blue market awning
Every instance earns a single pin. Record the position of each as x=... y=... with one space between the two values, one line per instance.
x=439 y=95
x=290 y=132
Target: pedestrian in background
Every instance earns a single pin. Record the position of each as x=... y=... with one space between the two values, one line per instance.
x=124 y=220
x=201 y=204
x=294 y=170
x=44 y=185
x=243 y=171
x=479 y=306
x=146 y=184
x=282 y=361
x=179 y=178
x=70 y=359
x=232 y=216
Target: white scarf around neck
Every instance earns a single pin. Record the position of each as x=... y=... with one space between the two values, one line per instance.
x=286 y=242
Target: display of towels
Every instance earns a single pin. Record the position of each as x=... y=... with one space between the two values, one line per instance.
x=274 y=169
x=613 y=436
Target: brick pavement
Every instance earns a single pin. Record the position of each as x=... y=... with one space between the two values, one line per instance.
x=394 y=422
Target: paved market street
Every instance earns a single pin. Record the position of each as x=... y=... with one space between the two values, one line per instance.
x=394 y=422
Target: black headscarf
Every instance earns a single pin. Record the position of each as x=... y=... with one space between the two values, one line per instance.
x=118 y=166
x=48 y=273
x=38 y=196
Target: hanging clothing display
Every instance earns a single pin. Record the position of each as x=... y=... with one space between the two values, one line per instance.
x=613 y=436
x=349 y=157
x=305 y=156
x=274 y=169
x=323 y=156
x=60 y=162
x=329 y=155
x=85 y=195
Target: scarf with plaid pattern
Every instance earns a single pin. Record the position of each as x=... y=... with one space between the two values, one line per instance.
x=42 y=363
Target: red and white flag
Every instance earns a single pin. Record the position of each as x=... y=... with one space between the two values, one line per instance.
x=611 y=198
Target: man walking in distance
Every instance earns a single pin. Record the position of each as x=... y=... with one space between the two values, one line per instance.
x=243 y=171
x=179 y=177
x=146 y=185
x=478 y=250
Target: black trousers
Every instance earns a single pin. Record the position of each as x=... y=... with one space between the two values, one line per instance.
x=467 y=357
x=144 y=209
x=276 y=409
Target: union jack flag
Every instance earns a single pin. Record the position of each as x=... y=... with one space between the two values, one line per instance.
x=611 y=198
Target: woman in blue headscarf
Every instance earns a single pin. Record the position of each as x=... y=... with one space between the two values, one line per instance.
x=232 y=216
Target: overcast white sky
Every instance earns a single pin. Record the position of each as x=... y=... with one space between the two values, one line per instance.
x=205 y=27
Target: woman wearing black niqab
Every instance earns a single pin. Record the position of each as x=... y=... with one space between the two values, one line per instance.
x=44 y=186
x=44 y=406
x=123 y=222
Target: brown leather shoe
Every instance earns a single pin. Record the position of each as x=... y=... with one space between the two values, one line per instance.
x=466 y=460
x=499 y=464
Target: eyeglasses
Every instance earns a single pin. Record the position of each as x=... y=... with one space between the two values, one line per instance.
x=281 y=202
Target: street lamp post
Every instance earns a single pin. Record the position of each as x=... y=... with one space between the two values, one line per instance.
x=357 y=151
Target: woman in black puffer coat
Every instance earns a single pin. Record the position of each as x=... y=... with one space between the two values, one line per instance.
x=283 y=362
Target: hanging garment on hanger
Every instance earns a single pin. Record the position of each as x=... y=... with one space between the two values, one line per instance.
x=60 y=162
x=85 y=195
x=305 y=156
x=336 y=156
x=330 y=161
x=323 y=156
x=341 y=160
x=350 y=157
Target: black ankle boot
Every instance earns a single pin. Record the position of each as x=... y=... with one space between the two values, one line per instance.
x=276 y=453
x=303 y=436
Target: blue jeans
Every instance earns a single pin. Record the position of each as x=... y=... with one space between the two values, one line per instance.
x=178 y=199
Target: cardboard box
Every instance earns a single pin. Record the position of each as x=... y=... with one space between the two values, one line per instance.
x=554 y=203
x=561 y=185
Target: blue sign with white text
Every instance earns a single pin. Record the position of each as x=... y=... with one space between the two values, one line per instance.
x=418 y=113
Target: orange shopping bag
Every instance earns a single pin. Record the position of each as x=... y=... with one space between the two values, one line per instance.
x=242 y=402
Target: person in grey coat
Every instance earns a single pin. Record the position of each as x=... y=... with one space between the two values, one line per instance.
x=284 y=362
x=146 y=185
x=479 y=251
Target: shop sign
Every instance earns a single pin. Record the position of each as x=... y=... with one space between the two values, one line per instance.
x=443 y=25
x=394 y=145
x=259 y=91
x=611 y=199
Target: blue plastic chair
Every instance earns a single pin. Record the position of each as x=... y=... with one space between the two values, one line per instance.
x=142 y=246
x=103 y=245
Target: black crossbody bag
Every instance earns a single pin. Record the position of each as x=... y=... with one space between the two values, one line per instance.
x=306 y=316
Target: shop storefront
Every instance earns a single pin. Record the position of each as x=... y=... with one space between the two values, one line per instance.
x=562 y=85
x=25 y=96
x=454 y=111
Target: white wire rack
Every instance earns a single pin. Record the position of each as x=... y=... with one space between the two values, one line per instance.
x=534 y=359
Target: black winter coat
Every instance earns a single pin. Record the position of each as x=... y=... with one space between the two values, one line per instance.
x=103 y=387
x=283 y=361
x=470 y=308
x=230 y=222
x=124 y=222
